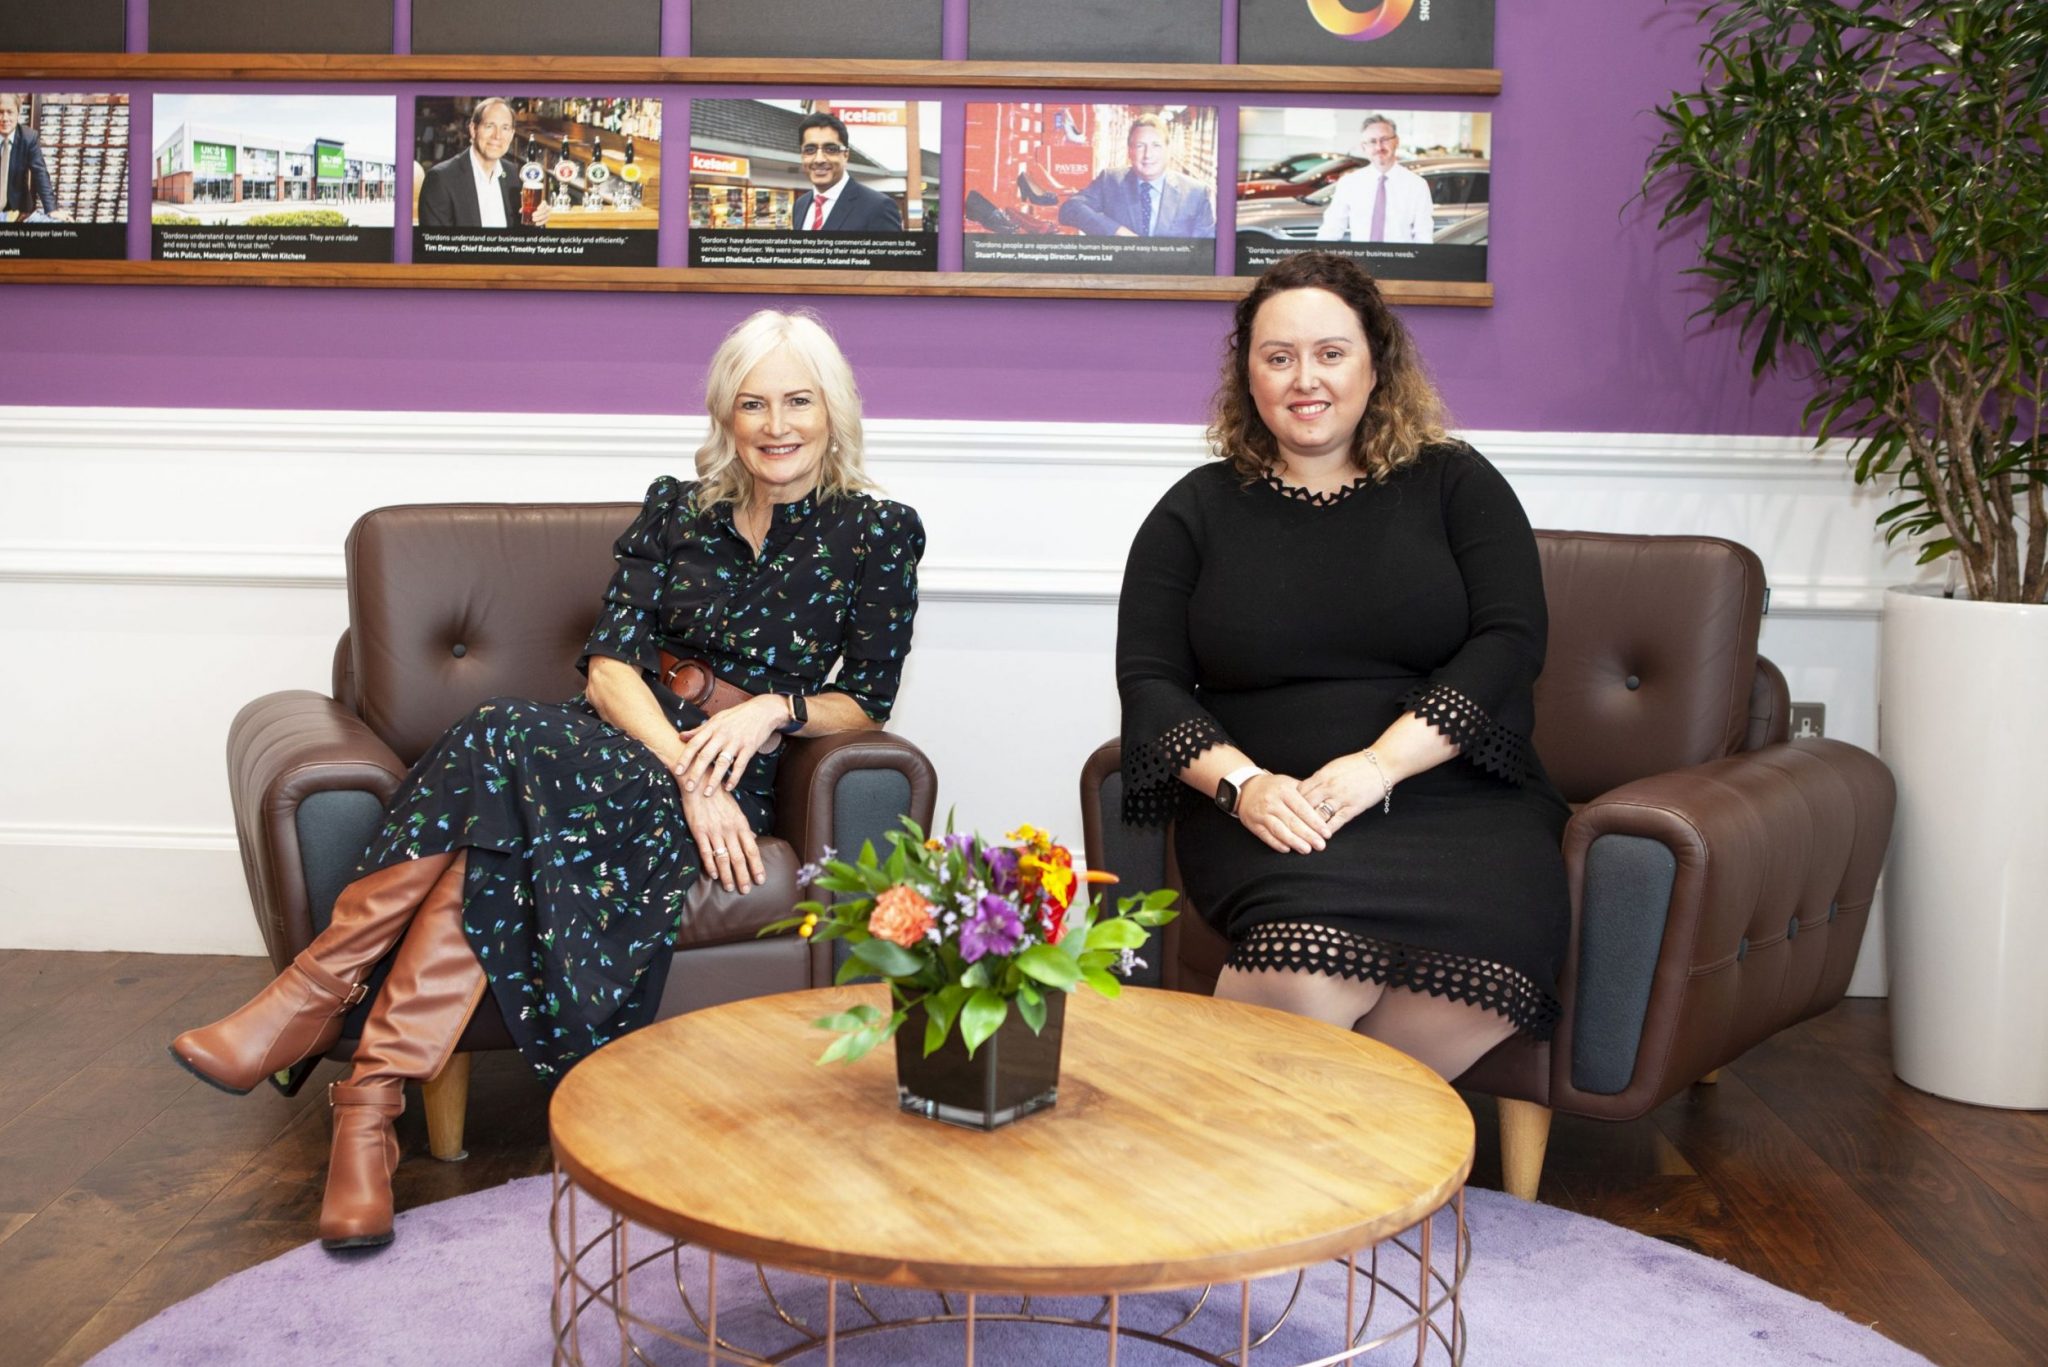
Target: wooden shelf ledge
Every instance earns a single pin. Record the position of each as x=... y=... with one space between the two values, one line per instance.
x=934 y=74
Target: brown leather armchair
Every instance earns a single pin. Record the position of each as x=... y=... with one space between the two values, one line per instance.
x=1721 y=875
x=450 y=605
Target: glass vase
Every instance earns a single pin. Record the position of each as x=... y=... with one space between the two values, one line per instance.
x=1011 y=1075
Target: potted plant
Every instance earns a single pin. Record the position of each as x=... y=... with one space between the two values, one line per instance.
x=986 y=937
x=1874 y=185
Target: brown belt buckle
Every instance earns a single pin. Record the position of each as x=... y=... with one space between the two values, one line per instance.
x=688 y=678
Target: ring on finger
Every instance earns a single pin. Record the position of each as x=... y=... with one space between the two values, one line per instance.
x=1327 y=808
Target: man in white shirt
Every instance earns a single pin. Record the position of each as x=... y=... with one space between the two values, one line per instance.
x=474 y=188
x=1383 y=201
x=836 y=202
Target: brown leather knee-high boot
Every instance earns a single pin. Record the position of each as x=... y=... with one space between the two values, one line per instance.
x=297 y=1018
x=435 y=984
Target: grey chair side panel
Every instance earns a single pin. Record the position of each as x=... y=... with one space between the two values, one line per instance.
x=1137 y=856
x=334 y=830
x=1621 y=932
x=866 y=805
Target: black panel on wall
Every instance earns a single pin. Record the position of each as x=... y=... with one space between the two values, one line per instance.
x=1445 y=33
x=530 y=28
x=1095 y=30
x=815 y=28
x=73 y=26
x=270 y=25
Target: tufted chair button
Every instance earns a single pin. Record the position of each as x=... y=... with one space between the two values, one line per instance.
x=458 y=650
x=1634 y=683
x=1742 y=949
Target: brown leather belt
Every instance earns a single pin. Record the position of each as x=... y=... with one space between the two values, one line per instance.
x=690 y=679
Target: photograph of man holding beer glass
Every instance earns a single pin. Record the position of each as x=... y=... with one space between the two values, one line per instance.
x=585 y=168
x=475 y=188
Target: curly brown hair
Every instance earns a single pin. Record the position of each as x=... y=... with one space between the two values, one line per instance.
x=1404 y=414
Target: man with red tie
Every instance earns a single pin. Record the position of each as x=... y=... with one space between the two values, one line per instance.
x=836 y=202
x=1382 y=201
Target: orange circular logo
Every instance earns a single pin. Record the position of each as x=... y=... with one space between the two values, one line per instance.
x=1357 y=27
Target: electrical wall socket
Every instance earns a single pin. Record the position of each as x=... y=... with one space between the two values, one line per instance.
x=1809 y=720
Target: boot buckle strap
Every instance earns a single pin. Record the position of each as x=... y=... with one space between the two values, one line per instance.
x=356 y=993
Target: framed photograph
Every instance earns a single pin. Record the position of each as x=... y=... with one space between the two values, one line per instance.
x=902 y=29
x=818 y=184
x=1431 y=33
x=556 y=180
x=273 y=177
x=64 y=195
x=1071 y=188
x=1405 y=192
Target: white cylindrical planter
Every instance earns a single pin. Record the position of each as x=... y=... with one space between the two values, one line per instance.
x=1962 y=724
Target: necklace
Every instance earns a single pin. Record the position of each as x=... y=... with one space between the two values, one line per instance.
x=1319 y=498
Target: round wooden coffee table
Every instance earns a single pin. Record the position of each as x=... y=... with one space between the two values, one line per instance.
x=1195 y=1142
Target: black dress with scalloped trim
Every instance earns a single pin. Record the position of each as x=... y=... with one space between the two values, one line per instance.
x=1298 y=628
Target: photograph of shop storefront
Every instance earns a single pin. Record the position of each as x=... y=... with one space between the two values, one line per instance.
x=227 y=171
x=746 y=170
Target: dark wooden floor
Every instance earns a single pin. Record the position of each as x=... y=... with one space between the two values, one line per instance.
x=126 y=1186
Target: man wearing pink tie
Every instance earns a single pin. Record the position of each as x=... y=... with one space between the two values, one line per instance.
x=1383 y=201
x=836 y=202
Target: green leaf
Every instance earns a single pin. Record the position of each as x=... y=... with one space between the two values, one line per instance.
x=1160 y=898
x=981 y=1017
x=1051 y=966
x=889 y=959
x=1103 y=981
x=1118 y=934
x=1031 y=1006
x=852 y=1019
x=867 y=854
x=940 y=1009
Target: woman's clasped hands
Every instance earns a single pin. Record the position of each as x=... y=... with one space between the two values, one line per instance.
x=714 y=757
x=1299 y=815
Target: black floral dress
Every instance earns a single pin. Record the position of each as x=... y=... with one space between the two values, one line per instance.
x=579 y=858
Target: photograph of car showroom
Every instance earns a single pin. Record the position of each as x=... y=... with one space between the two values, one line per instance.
x=1390 y=180
x=226 y=160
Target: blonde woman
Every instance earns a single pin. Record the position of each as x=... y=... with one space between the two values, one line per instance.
x=536 y=852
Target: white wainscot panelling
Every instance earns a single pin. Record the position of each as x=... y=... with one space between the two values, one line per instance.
x=158 y=568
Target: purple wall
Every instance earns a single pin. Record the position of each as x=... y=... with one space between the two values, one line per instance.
x=1591 y=329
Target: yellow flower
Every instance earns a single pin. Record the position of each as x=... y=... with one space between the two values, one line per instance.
x=1036 y=839
x=810 y=924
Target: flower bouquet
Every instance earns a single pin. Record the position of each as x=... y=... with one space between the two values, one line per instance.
x=987 y=937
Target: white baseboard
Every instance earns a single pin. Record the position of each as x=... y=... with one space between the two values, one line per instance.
x=137 y=889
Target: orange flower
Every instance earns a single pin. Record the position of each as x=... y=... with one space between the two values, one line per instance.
x=901 y=916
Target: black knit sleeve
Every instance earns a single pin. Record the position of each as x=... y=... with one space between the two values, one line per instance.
x=1503 y=651
x=1165 y=727
x=628 y=626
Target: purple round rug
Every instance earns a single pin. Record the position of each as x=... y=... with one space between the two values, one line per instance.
x=467 y=1282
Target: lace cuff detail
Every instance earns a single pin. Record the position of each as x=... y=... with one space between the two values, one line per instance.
x=1304 y=947
x=1491 y=746
x=1153 y=792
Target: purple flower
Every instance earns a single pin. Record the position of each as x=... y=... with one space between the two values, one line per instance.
x=995 y=928
x=1002 y=869
x=961 y=844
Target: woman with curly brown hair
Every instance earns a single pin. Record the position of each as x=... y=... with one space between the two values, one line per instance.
x=1326 y=646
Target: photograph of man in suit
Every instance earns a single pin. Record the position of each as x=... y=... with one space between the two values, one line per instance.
x=836 y=202
x=1382 y=201
x=25 y=186
x=475 y=188
x=1146 y=198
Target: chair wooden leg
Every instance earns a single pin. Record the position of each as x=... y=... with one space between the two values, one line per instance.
x=447 y=1101
x=1711 y=1078
x=1524 y=1135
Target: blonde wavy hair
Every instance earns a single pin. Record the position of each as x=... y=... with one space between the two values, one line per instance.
x=1404 y=414
x=722 y=474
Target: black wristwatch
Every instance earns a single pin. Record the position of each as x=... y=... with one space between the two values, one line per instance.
x=1231 y=789
x=799 y=713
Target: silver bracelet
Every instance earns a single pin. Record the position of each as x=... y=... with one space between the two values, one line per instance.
x=1386 y=788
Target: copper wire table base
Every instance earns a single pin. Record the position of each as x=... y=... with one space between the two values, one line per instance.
x=595 y=1257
